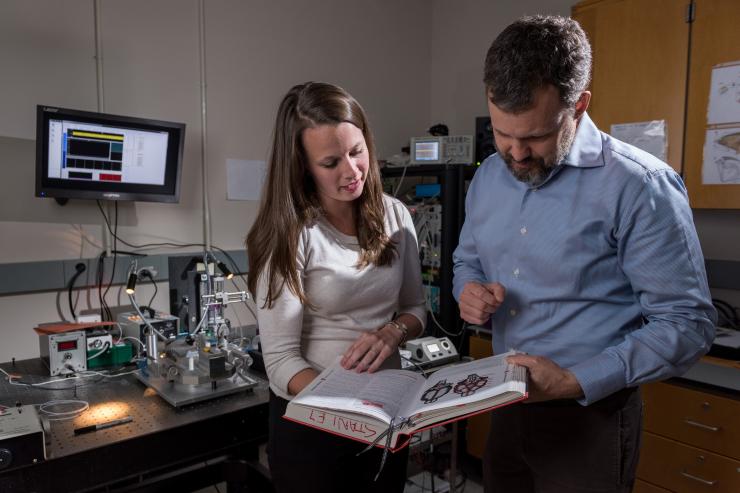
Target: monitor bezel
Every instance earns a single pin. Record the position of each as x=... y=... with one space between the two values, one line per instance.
x=169 y=192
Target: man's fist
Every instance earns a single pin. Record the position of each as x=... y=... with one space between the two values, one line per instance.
x=478 y=301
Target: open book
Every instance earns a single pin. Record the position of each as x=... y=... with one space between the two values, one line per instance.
x=363 y=406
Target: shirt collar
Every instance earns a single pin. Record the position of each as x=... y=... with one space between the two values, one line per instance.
x=587 y=150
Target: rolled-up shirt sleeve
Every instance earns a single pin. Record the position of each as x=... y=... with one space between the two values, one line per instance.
x=280 y=328
x=660 y=253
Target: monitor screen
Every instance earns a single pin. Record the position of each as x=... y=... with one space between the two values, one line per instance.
x=426 y=151
x=89 y=155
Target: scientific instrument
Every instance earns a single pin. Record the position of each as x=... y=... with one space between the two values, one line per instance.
x=22 y=438
x=447 y=149
x=205 y=362
x=432 y=351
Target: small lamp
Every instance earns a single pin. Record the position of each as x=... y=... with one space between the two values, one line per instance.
x=131 y=284
x=225 y=270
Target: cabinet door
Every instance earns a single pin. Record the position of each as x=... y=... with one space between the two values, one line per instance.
x=478 y=425
x=715 y=39
x=640 y=51
x=685 y=469
x=693 y=417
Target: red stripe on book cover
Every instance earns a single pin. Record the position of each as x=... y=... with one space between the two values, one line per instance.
x=329 y=422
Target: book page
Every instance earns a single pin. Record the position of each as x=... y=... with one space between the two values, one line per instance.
x=378 y=394
x=467 y=383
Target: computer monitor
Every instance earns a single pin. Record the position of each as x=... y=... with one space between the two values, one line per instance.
x=88 y=155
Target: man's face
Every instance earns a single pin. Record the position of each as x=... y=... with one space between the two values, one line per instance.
x=534 y=141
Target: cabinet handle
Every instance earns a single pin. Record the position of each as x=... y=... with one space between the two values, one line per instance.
x=697 y=478
x=701 y=425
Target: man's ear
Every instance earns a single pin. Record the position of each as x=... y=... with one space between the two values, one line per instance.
x=582 y=104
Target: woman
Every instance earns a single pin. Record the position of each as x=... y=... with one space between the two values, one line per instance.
x=334 y=269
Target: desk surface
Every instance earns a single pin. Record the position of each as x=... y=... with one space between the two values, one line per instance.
x=715 y=373
x=159 y=435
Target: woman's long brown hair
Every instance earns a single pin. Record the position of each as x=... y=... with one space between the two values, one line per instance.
x=290 y=202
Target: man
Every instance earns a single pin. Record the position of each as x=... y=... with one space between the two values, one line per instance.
x=580 y=250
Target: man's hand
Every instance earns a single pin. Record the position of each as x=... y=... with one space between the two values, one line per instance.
x=478 y=301
x=547 y=380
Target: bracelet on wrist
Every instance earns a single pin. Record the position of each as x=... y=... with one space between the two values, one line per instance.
x=402 y=328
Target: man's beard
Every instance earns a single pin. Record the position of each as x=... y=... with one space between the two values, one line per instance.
x=537 y=169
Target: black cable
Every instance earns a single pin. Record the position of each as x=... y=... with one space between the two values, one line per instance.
x=237 y=270
x=115 y=261
x=728 y=312
x=79 y=269
x=146 y=273
x=104 y=313
x=99 y=283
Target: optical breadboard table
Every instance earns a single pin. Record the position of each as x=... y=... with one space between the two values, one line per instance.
x=163 y=448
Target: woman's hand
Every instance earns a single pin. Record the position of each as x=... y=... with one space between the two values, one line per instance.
x=372 y=348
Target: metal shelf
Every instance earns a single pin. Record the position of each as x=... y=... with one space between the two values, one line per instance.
x=452 y=178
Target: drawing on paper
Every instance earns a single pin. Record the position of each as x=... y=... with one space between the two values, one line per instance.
x=724 y=94
x=722 y=156
x=436 y=392
x=470 y=385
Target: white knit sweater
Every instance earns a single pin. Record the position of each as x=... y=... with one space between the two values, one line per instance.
x=347 y=301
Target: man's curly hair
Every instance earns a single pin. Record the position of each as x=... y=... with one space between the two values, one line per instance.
x=533 y=52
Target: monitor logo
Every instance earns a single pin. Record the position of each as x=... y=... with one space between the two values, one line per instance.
x=112 y=195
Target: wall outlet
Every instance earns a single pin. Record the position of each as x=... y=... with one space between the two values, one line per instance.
x=152 y=270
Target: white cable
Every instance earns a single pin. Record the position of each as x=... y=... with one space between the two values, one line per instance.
x=106 y=346
x=90 y=373
x=138 y=348
x=120 y=333
x=127 y=338
x=63 y=415
x=202 y=319
x=400 y=181
x=423 y=372
x=10 y=377
x=149 y=326
x=47 y=382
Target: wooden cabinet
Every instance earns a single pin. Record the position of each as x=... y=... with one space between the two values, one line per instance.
x=691 y=440
x=653 y=61
x=478 y=425
x=643 y=487
x=640 y=52
x=715 y=39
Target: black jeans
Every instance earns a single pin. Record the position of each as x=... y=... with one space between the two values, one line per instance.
x=303 y=459
x=561 y=446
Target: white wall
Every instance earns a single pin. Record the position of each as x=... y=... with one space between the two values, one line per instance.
x=255 y=51
x=462 y=32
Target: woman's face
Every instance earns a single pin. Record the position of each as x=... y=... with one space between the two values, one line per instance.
x=338 y=161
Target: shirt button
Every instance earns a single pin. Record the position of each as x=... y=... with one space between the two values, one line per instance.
x=516 y=272
x=523 y=230
x=512 y=312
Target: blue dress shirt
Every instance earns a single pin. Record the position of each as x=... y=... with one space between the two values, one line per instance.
x=601 y=263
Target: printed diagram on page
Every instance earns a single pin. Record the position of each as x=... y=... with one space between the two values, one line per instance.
x=465 y=387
